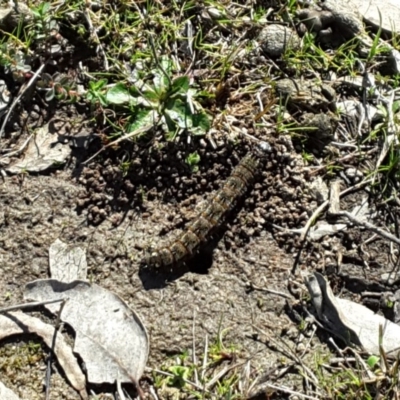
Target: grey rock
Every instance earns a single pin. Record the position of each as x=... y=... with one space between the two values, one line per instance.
x=337 y=21
x=394 y=61
x=397 y=308
x=347 y=21
x=375 y=13
x=353 y=173
x=391 y=278
x=358 y=82
x=370 y=9
x=10 y=17
x=321 y=126
x=319 y=190
x=4 y=13
x=276 y=39
x=308 y=94
x=7 y=394
x=332 y=24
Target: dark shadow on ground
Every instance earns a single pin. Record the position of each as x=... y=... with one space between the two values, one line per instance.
x=199 y=264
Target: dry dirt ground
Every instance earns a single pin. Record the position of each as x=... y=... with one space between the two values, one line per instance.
x=38 y=209
x=92 y=206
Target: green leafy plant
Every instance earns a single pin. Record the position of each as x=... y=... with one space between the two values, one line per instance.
x=389 y=304
x=43 y=20
x=161 y=100
x=180 y=375
x=57 y=86
x=14 y=60
x=210 y=369
x=372 y=361
x=193 y=160
x=124 y=167
x=95 y=93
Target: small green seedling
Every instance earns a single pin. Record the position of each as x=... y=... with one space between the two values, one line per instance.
x=193 y=160
x=95 y=93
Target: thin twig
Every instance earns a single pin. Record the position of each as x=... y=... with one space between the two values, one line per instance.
x=221 y=374
x=312 y=219
x=145 y=20
x=360 y=360
x=285 y=349
x=158 y=371
x=391 y=132
x=290 y=391
x=157 y=61
x=284 y=295
x=315 y=170
x=368 y=225
x=127 y=136
x=205 y=359
x=153 y=393
x=18 y=151
x=86 y=13
x=325 y=204
x=23 y=89
x=340 y=360
x=28 y=305
x=307 y=346
x=52 y=351
x=196 y=376
x=119 y=389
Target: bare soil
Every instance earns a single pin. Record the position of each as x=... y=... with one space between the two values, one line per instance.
x=116 y=216
x=247 y=282
x=98 y=209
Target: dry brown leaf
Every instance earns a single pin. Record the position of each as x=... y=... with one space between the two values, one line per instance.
x=352 y=322
x=44 y=151
x=7 y=394
x=67 y=263
x=15 y=323
x=110 y=337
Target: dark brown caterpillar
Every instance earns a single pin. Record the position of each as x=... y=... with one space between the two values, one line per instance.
x=198 y=230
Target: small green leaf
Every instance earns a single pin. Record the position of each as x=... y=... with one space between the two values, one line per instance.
x=193 y=160
x=102 y=99
x=159 y=81
x=396 y=106
x=167 y=64
x=50 y=94
x=161 y=75
x=382 y=109
x=180 y=114
x=389 y=303
x=151 y=95
x=172 y=127
x=142 y=118
x=97 y=85
x=372 y=361
x=180 y=85
x=45 y=8
x=201 y=123
x=119 y=94
x=35 y=13
x=95 y=97
x=180 y=374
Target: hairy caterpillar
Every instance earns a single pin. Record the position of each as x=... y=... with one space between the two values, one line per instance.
x=198 y=230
